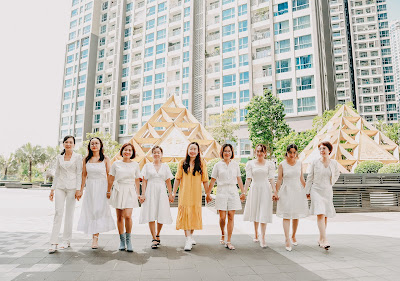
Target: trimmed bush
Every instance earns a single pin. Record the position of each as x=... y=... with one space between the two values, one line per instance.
x=390 y=169
x=210 y=166
x=368 y=167
x=174 y=167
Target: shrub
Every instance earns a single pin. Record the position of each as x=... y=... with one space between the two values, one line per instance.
x=390 y=169
x=174 y=167
x=368 y=167
x=210 y=166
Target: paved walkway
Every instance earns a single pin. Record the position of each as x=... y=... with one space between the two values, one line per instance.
x=25 y=222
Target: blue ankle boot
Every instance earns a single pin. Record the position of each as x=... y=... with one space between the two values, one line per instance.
x=122 y=245
x=128 y=242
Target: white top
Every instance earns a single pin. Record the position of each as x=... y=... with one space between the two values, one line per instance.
x=150 y=173
x=125 y=171
x=68 y=174
x=226 y=174
x=319 y=176
x=254 y=164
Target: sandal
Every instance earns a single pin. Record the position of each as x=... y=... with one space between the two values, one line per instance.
x=95 y=242
x=159 y=241
x=229 y=246
x=255 y=239
x=154 y=245
x=222 y=241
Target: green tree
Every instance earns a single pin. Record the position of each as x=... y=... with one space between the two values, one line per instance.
x=111 y=147
x=301 y=139
x=392 y=131
x=222 y=128
x=266 y=120
x=8 y=165
x=31 y=155
x=368 y=167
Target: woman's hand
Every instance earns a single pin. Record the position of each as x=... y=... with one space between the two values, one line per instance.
x=108 y=194
x=308 y=196
x=78 y=195
x=242 y=197
x=275 y=197
x=171 y=198
x=51 y=196
x=208 y=198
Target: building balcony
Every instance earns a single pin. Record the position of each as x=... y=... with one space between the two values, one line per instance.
x=174 y=48
x=175 y=19
x=213 y=6
x=213 y=37
x=261 y=35
x=258 y=2
x=260 y=55
x=175 y=4
x=211 y=70
x=259 y=18
x=215 y=53
x=214 y=87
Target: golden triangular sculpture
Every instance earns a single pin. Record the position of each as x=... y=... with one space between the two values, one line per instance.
x=354 y=141
x=172 y=127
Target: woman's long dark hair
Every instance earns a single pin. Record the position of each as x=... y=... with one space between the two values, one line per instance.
x=65 y=139
x=197 y=161
x=289 y=147
x=90 y=152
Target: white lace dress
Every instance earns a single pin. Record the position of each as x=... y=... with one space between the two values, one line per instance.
x=156 y=206
x=292 y=203
x=96 y=214
x=259 y=200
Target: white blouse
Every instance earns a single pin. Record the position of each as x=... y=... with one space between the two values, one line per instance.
x=125 y=171
x=253 y=164
x=226 y=174
x=315 y=176
x=68 y=174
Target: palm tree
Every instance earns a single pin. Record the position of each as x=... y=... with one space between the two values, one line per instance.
x=31 y=155
x=8 y=165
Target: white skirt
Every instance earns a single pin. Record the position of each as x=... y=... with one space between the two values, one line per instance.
x=123 y=196
x=292 y=203
x=95 y=214
x=227 y=198
x=259 y=204
x=322 y=201
x=156 y=206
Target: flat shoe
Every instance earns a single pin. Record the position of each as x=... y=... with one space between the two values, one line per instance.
x=229 y=246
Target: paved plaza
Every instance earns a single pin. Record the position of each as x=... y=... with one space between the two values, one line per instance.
x=364 y=247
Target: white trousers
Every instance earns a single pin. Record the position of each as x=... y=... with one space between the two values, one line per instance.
x=63 y=197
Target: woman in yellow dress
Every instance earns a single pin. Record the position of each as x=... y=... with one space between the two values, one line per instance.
x=192 y=171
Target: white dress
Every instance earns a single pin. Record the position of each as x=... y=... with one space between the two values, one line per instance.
x=259 y=200
x=123 y=194
x=156 y=206
x=96 y=214
x=319 y=185
x=227 y=198
x=292 y=203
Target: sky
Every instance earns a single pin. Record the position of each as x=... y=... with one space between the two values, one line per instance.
x=32 y=52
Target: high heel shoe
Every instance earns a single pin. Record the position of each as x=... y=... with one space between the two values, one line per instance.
x=263 y=244
x=294 y=243
x=95 y=242
x=289 y=249
x=255 y=239
x=222 y=241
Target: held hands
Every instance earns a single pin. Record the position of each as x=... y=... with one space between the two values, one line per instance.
x=78 y=195
x=171 y=198
x=141 y=198
x=108 y=194
x=242 y=197
x=208 y=198
x=308 y=196
x=275 y=197
x=51 y=196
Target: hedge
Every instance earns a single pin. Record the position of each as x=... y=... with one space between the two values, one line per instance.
x=390 y=169
x=368 y=167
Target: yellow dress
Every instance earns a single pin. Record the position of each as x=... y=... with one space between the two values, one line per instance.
x=190 y=197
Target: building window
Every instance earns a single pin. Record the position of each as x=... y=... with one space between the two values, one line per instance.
x=122 y=114
x=187 y=12
x=228 y=29
x=300 y=5
x=228 y=46
x=124 y=86
x=125 y=72
x=281 y=9
x=162 y=7
x=244 y=60
x=161 y=34
x=161 y=20
x=245 y=147
x=185 y=72
x=67 y=95
x=282 y=46
x=129 y=7
x=283 y=66
x=304 y=62
x=146 y=110
x=148 y=52
x=244 y=96
x=229 y=80
x=124 y=100
x=125 y=58
x=186 y=41
x=242 y=26
x=97 y=118
x=243 y=43
x=80 y=105
x=147 y=95
x=305 y=83
x=101 y=54
x=147 y=80
x=159 y=78
x=127 y=45
x=160 y=63
x=82 y=79
x=160 y=48
x=228 y=63
x=186 y=56
x=149 y=24
x=157 y=106
x=281 y=27
x=186 y=103
x=306 y=104
x=228 y=13
x=148 y=66
x=159 y=93
x=185 y=88
x=242 y=10
x=151 y=11
x=229 y=98
x=302 y=42
x=99 y=79
x=150 y=38
x=244 y=77
x=186 y=26
x=284 y=86
x=288 y=104
x=243 y=113
x=122 y=129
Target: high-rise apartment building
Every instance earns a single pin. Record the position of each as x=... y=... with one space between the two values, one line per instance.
x=395 y=42
x=363 y=58
x=212 y=54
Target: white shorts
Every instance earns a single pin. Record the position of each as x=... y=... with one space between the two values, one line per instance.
x=227 y=198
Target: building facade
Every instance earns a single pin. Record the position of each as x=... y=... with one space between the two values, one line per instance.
x=212 y=55
x=395 y=41
x=363 y=58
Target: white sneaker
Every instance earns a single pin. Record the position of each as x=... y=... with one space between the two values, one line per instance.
x=192 y=240
x=53 y=248
x=64 y=245
x=188 y=245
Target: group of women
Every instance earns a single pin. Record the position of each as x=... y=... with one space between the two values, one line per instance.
x=118 y=185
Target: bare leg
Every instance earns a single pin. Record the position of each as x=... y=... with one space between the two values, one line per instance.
x=286 y=229
x=256 y=231
x=222 y=217
x=295 y=224
x=326 y=222
x=231 y=223
x=159 y=226
x=120 y=221
x=128 y=219
x=321 y=228
x=152 y=226
x=263 y=228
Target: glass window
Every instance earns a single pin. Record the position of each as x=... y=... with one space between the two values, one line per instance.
x=244 y=96
x=160 y=63
x=305 y=83
x=148 y=66
x=104 y=6
x=162 y=7
x=229 y=98
x=86 y=29
x=102 y=41
x=244 y=77
x=72 y=24
x=81 y=92
x=74 y=13
x=304 y=62
x=242 y=26
x=283 y=66
x=128 y=19
x=122 y=114
x=65 y=108
x=301 y=22
x=228 y=29
x=159 y=78
x=99 y=79
x=300 y=5
x=228 y=63
x=242 y=10
x=126 y=58
x=103 y=17
x=281 y=27
x=147 y=95
x=243 y=43
x=288 y=104
x=228 y=46
x=282 y=46
x=186 y=56
x=74 y=2
x=122 y=129
x=186 y=26
x=151 y=11
x=245 y=147
x=160 y=48
x=186 y=41
x=80 y=105
x=185 y=88
x=125 y=72
x=243 y=113
x=187 y=12
x=229 y=80
x=284 y=86
x=281 y=9
x=71 y=47
x=306 y=104
x=97 y=118
x=185 y=72
x=101 y=54
x=159 y=93
x=244 y=60
x=228 y=13
x=157 y=106
x=98 y=92
x=302 y=42
x=87 y=18
x=127 y=45
x=148 y=52
x=149 y=37
x=146 y=110
x=103 y=29
x=72 y=35
x=68 y=70
x=83 y=66
x=124 y=86
x=147 y=80
x=161 y=34
x=67 y=95
x=161 y=20
x=150 y=24
x=129 y=7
